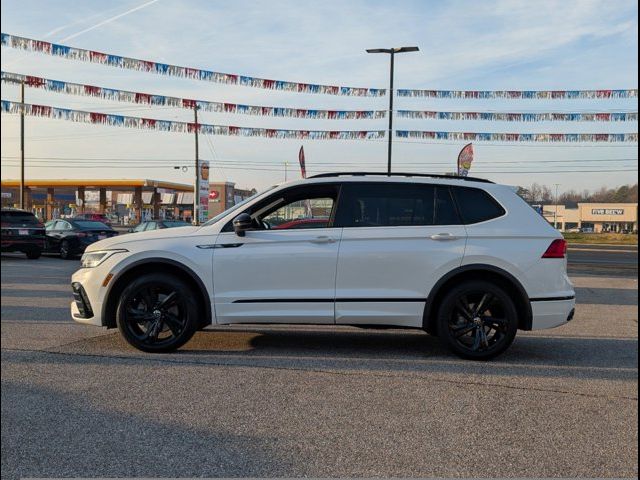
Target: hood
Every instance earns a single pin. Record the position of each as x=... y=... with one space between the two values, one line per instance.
x=123 y=239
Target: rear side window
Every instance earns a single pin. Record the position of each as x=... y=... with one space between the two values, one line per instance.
x=476 y=205
x=391 y=205
x=91 y=225
x=19 y=218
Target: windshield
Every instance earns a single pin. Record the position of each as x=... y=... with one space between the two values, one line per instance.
x=237 y=206
x=176 y=223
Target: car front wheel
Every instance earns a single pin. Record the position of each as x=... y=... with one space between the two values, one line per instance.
x=157 y=313
x=477 y=320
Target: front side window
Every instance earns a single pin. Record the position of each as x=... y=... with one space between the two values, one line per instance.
x=297 y=208
x=395 y=205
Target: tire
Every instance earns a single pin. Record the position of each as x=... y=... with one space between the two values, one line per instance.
x=157 y=313
x=65 y=250
x=477 y=320
x=33 y=254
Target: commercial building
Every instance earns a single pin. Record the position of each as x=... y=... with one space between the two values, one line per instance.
x=596 y=217
x=130 y=201
x=127 y=201
x=224 y=195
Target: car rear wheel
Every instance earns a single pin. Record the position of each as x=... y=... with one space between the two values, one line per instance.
x=65 y=250
x=477 y=320
x=157 y=313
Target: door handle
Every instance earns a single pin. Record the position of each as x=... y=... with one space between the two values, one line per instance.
x=322 y=239
x=443 y=236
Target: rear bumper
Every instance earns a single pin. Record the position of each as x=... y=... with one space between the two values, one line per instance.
x=551 y=313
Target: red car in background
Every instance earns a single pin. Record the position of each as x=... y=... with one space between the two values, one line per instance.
x=303 y=223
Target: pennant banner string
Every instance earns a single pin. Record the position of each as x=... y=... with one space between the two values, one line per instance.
x=182 y=127
x=167 y=101
x=520 y=137
x=520 y=94
x=23 y=43
x=70 y=88
x=522 y=117
x=72 y=53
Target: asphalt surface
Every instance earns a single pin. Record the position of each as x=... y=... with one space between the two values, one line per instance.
x=310 y=401
x=606 y=260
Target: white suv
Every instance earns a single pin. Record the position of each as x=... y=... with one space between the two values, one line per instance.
x=461 y=258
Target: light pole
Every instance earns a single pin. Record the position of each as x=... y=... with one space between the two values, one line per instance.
x=391 y=52
x=555 y=215
x=196 y=185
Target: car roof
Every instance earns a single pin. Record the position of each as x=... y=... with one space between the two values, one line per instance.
x=381 y=177
x=400 y=174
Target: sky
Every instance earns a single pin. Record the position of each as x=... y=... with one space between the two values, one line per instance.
x=464 y=44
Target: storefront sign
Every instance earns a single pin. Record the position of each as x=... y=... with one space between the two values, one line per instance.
x=203 y=194
x=607 y=211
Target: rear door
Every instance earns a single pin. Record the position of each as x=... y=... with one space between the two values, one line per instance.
x=398 y=240
x=54 y=231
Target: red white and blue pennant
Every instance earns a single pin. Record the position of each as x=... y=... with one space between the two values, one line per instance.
x=520 y=137
x=72 y=53
x=97 y=118
x=521 y=117
x=520 y=94
x=70 y=88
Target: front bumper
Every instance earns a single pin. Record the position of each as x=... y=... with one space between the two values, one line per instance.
x=552 y=313
x=88 y=294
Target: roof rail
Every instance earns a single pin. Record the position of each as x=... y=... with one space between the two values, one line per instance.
x=400 y=174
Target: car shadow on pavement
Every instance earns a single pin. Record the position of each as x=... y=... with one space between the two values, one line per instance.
x=390 y=351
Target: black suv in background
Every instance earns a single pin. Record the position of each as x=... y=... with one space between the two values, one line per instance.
x=22 y=232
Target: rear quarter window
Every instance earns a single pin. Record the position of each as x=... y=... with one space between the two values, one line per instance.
x=476 y=205
x=19 y=218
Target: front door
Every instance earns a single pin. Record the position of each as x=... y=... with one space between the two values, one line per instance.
x=284 y=270
x=398 y=240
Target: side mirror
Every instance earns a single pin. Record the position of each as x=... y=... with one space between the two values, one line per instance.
x=242 y=223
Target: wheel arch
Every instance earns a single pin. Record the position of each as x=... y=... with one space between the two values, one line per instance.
x=478 y=272
x=150 y=265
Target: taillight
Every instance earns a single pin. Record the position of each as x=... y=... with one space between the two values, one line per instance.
x=557 y=249
x=82 y=234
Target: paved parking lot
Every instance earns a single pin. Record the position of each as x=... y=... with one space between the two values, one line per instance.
x=294 y=401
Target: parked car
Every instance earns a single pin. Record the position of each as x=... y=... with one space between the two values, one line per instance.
x=22 y=232
x=70 y=237
x=461 y=258
x=158 y=224
x=95 y=217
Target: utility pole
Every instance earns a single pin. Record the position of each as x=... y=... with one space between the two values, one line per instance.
x=196 y=186
x=22 y=107
x=392 y=52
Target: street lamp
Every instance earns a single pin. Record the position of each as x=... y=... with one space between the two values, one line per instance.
x=391 y=52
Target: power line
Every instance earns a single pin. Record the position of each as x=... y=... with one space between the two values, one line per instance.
x=609 y=170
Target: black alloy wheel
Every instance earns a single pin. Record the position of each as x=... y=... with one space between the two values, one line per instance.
x=478 y=320
x=65 y=250
x=157 y=313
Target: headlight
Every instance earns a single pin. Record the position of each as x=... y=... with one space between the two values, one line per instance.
x=93 y=259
